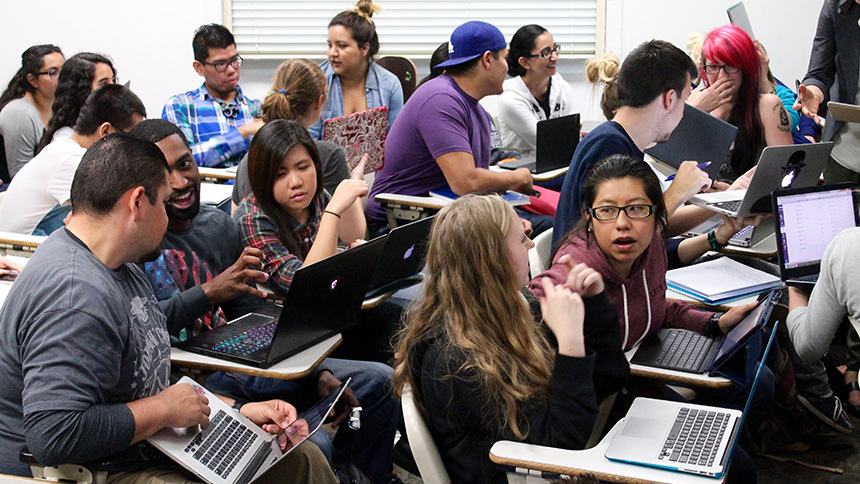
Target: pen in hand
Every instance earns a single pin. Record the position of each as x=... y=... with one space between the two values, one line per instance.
x=700 y=166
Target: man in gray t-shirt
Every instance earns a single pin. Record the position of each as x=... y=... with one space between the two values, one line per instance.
x=84 y=349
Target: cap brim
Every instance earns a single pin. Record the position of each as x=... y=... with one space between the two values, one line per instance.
x=458 y=60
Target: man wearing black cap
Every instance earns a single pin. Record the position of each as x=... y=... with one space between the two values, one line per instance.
x=442 y=137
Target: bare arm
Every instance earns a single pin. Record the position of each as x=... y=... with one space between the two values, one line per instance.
x=775 y=119
x=464 y=177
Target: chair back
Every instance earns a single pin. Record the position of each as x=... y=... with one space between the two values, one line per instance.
x=404 y=69
x=421 y=441
x=539 y=260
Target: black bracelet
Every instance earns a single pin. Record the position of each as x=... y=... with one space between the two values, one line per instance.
x=332 y=213
x=712 y=240
x=237 y=404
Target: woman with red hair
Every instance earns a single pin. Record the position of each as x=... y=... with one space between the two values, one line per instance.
x=728 y=52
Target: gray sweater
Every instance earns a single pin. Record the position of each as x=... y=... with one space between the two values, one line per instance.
x=21 y=127
x=836 y=295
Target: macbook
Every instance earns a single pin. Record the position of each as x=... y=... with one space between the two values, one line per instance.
x=556 y=142
x=806 y=220
x=402 y=258
x=791 y=166
x=324 y=299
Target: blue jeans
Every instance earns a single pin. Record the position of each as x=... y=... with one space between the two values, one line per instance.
x=52 y=220
x=369 y=448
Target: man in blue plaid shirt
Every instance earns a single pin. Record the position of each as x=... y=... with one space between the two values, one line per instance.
x=217 y=119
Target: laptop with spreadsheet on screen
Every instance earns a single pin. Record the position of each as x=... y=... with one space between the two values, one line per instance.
x=806 y=220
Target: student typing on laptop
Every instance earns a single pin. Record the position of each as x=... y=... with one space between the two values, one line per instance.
x=620 y=236
x=85 y=350
x=202 y=268
x=485 y=371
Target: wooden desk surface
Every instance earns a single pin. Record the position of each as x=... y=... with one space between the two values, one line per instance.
x=544 y=176
x=14 y=241
x=294 y=367
x=765 y=249
x=675 y=376
x=589 y=461
x=410 y=200
x=218 y=174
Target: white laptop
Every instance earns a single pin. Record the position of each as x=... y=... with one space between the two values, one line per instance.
x=779 y=167
x=682 y=437
x=232 y=449
x=738 y=17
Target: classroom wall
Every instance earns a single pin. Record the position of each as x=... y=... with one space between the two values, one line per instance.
x=150 y=41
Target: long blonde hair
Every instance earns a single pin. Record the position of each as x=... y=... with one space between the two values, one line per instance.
x=471 y=298
x=605 y=70
x=296 y=85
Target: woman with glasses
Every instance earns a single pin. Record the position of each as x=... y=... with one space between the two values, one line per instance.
x=25 y=105
x=355 y=82
x=729 y=57
x=535 y=91
x=82 y=74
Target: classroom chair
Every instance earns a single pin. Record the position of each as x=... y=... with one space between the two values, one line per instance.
x=404 y=69
x=64 y=472
x=539 y=260
x=423 y=447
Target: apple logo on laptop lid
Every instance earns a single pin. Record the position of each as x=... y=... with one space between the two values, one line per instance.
x=792 y=168
x=408 y=252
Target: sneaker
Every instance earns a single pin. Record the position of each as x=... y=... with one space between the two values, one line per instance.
x=829 y=410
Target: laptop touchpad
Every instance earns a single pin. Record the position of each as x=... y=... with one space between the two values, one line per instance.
x=644 y=428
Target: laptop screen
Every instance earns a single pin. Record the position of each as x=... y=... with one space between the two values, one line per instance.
x=809 y=221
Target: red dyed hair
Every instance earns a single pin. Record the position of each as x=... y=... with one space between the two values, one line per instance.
x=732 y=46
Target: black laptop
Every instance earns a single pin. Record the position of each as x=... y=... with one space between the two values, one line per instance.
x=556 y=142
x=806 y=220
x=692 y=352
x=324 y=299
x=699 y=137
x=402 y=258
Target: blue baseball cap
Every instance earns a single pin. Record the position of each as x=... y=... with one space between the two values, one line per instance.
x=471 y=40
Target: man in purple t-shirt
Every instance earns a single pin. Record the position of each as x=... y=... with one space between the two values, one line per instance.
x=442 y=136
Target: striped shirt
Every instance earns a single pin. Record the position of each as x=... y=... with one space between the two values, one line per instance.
x=214 y=138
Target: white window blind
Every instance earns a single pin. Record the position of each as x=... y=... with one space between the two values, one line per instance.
x=284 y=28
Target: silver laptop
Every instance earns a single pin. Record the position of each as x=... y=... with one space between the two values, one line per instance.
x=682 y=437
x=232 y=449
x=779 y=167
x=748 y=236
x=738 y=17
x=807 y=220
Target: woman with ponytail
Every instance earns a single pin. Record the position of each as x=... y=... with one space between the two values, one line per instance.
x=605 y=70
x=25 y=105
x=298 y=93
x=355 y=82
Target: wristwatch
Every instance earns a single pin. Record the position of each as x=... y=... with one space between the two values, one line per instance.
x=713 y=326
x=237 y=404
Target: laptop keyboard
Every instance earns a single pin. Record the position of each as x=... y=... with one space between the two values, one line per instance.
x=730 y=205
x=694 y=437
x=249 y=341
x=222 y=444
x=683 y=350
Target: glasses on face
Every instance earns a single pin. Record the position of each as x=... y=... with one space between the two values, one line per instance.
x=52 y=73
x=714 y=70
x=608 y=212
x=221 y=66
x=547 y=52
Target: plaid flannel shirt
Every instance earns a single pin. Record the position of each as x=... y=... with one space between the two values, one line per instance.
x=259 y=230
x=214 y=138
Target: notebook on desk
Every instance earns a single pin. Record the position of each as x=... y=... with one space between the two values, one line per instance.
x=688 y=143
x=402 y=258
x=682 y=437
x=232 y=449
x=692 y=352
x=324 y=299
x=791 y=166
x=806 y=220
x=556 y=142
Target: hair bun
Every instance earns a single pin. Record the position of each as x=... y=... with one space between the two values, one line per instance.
x=604 y=69
x=366 y=9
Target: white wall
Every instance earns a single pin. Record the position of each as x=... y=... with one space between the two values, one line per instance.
x=150 y=41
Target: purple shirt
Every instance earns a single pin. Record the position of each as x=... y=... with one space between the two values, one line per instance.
x=438 y=119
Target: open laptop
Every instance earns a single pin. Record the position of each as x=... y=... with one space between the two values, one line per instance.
x=748 y=236
x=791 y=166
x=689 y=351
x=687 y=141
x=556 y=142
x=233 y=449
x=806 y=220
x=324 y=299
x=738 y=17
x=402 y=258
x=682 y=437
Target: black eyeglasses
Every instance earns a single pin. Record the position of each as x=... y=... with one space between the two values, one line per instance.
x=52 y=73
x=608 y=212
x=221 y=66
x=714 y=70
x=547 y=52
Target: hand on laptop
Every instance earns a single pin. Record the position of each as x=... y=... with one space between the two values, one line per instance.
x=234 y=280
x=564 y=312
x=327 y=383
x=733 y=225
x=689 y=181
x=9 y=265
x=734 y=316
x=178 y=406
x=272 y=416
x=582 y=279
